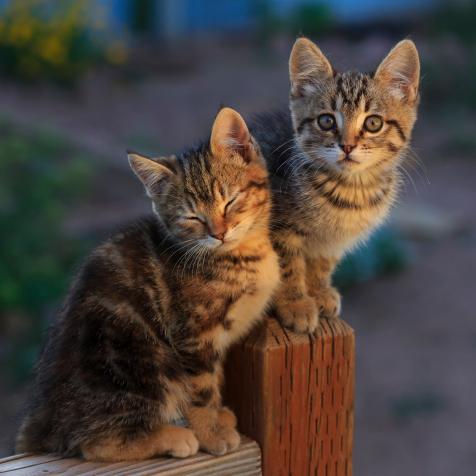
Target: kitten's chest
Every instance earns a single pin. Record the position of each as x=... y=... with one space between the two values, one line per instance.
x=251 y=300
x=338 y=229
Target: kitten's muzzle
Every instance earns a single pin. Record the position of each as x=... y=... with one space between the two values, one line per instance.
x=347 y=160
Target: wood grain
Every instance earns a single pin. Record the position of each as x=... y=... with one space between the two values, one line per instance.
x=294 y=394
x=245 y=461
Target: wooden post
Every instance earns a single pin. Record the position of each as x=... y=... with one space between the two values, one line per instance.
x=294 y=395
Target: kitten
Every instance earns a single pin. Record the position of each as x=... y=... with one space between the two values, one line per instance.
x=141 y=339
x=335 y=169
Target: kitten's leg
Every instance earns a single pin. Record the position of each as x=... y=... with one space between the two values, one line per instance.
x=295 y=308
x=166 y=440
x=319 y=284
x=213 y=424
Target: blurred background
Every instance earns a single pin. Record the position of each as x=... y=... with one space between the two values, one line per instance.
x=81 y=81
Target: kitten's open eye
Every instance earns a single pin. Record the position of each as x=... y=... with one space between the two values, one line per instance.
x=326 y=122
x=373 y=123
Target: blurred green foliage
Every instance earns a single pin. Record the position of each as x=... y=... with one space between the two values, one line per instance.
x=58 y=41
x=309 y=18
x=461 y=138
x=142 y=14
x=425 y=403
x=455 y=18
x=450 y=67
x=385 y=253
x=41 y=178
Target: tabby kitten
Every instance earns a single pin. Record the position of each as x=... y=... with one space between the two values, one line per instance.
x=335 y=169
x=140 y=341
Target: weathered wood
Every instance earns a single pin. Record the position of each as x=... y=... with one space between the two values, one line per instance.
x=294 y=394
x=245 y=461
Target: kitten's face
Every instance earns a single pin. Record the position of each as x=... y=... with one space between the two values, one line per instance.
x=212 y=198
x=216 y=202
x=353 y=122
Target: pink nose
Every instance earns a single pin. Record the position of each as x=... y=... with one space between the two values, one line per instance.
x=218 y=235
x=217 y=229
x=347 y=148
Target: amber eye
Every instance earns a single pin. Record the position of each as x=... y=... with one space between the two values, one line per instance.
x=373 y=123
x=326 y=122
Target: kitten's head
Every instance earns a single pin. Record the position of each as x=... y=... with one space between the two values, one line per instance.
x=214 y=196
x=353 y=122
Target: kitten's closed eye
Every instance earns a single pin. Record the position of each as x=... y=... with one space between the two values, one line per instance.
x=194 y=218
x=230 y=203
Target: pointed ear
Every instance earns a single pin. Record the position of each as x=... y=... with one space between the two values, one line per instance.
x=307 y=67
x=153 y=173
x=400 y=71
x=230 y=135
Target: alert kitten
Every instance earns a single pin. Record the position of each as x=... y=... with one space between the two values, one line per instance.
x=335 y=168
x=141 y=339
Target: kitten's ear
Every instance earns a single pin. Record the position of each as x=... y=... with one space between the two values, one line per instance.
x=153 y=173
x=400 y=71
x=307 y=67
x=230 y=135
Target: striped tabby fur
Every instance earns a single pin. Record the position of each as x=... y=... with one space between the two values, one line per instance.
x=143 y=333
x=332 y=187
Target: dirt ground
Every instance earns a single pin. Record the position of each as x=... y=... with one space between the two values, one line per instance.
x=416 y=332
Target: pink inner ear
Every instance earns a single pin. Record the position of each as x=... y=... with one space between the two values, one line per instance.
x=237 y=139
x=230 y=134
x=239 y=136
x=240 y=143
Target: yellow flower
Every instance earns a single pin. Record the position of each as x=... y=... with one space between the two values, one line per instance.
x=20 y=32
x=52 y=49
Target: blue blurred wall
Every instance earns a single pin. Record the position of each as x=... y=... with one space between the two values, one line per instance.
x=175 y=18
x=355 y=10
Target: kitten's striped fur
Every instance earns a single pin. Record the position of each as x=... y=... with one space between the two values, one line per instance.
x=143 y=333
x=333 y=187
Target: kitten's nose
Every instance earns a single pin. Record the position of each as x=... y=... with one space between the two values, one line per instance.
x=218 y=236
x=347 y=148
x=218 y=230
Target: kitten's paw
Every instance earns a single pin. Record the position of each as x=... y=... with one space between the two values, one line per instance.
x=300 y=315
x=232 y=438
x=181 y=442
x=328 y=302
x=221 y=440
x=226 y=417
x=214 y=429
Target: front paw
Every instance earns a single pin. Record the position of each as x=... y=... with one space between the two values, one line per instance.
x=226 y=417
x=183 y=443
x=215 y=429
x=300 y=315
x=220 y=440
x=328 y=302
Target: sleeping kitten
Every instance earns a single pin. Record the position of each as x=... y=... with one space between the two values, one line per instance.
x=140 y=341
x=335 y=169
